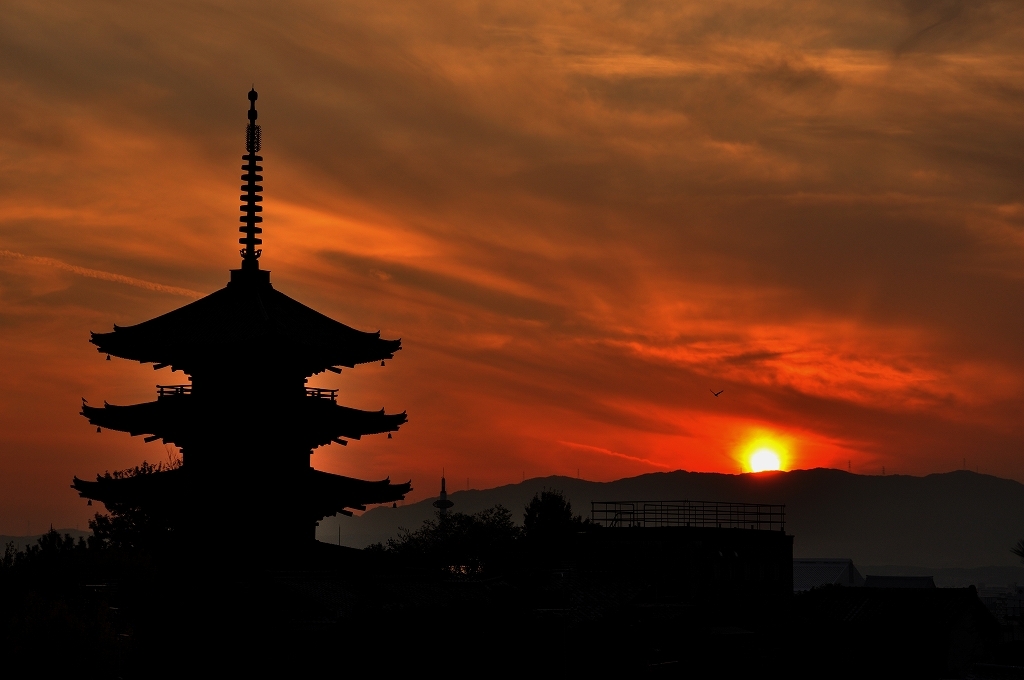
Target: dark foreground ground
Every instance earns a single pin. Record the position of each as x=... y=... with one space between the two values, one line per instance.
x=109 y=613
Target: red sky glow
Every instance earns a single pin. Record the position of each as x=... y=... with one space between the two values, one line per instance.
x=580 y=219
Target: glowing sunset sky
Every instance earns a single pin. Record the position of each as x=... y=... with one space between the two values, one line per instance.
x=580 y=218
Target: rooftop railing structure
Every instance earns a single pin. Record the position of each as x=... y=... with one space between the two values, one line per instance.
x=322 y=393
x=173 y=390
x=706 y=514
x=181 y=390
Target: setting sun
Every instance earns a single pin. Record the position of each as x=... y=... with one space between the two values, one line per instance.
x=762 y=460
x=761 y=450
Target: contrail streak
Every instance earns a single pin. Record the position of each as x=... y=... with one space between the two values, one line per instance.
x=609 y=452
x=102 y=275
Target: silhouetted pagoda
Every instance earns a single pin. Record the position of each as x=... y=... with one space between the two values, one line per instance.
x=247 y=423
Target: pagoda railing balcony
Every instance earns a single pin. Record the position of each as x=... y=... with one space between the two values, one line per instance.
x=182 y=390
x=322 y=393
x=173 y=390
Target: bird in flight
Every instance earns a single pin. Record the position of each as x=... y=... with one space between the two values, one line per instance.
x=715 y=393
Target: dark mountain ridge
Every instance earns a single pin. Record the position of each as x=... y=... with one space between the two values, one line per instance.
x=951 y=520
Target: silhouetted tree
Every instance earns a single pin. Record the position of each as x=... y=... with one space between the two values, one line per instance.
x=459 y=543
x=53 y=543
x=549 y=517
x=132 y=526
x=50 y=547
x=11 y=553
x=50 y=550
x=1018 y=549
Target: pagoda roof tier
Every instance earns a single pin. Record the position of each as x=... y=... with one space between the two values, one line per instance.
x=155 y=488
x=183 y=420
x=326 y=493
x=248 y=317
x=331 y=494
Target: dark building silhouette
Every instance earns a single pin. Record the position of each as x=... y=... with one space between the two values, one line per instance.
x=894 y=632
x=246 y=423
x=814 y=572
x=729 y=556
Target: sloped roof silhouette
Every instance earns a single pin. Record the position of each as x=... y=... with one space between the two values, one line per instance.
x=331 y=493
x=814 y=572
x=246 y=315
x=178 y=420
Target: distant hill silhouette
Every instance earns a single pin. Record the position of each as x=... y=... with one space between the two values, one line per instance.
x=952 y=520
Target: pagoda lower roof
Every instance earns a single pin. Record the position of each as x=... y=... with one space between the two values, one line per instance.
x=183 y=420
x=248 y=316
x=327 y=494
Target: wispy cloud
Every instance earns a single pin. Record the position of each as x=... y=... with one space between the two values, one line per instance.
x=609 y=452
x=99 y=274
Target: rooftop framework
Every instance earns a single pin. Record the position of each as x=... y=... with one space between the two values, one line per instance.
x=706 y=514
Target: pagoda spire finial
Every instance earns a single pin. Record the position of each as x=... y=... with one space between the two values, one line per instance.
x=251 y=196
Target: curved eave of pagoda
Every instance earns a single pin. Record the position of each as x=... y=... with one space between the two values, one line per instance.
x=164 y=419
x=314 y=421
x=154 y=488
x=303 y=359
x=326 y=493
x=325 y=421
x=326 y=356
x=240 y=319
x=330 y=494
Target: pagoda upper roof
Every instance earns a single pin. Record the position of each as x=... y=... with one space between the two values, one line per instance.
x=248 y=316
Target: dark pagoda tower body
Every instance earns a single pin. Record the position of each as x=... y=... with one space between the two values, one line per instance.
x=246 y=424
